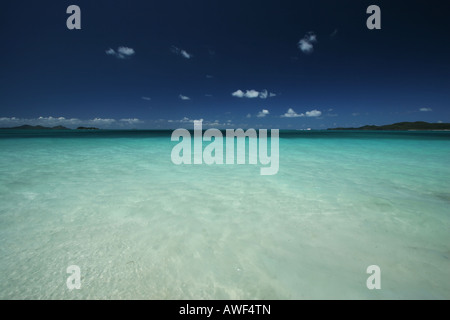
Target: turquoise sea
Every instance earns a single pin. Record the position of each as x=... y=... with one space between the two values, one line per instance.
x=140 y=227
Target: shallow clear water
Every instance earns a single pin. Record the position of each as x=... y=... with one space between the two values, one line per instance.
x=140 y=227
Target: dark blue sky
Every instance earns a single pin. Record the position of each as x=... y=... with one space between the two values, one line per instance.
x=208 y=50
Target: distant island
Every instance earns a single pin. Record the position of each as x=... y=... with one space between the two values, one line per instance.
x=402 y=126
x=28 y=127
x=399 y=126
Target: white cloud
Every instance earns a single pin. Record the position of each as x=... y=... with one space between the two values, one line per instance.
x=425 y=109
x=184 y=120
x=181 y=52
x=131 y=121
x=205 y=123
x=6 y=121
x=292 y=114
x=263 y=94
x=121 y=53
x=185 y=54
x=102 y=121
x=146 y=98
x=306 y=44
x=184 y=97
x=125 y=51
x=313 y=113
x=248 y=115
x=238 y=94
x=253 y=94
x=262 y=113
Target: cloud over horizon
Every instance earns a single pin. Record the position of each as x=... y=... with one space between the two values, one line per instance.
x=310 y=114
x=215 y=123
x=290 y=114
x=306 y=44
x=121 y=53
x=262 y=113
x=181 y=52
x=253 y=94
x=131 y=121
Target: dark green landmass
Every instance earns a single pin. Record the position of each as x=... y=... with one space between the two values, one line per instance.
x=28 y=127
x=403 y=126
x=87 y=128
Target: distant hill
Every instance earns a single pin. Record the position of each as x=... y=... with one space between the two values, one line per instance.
x=403 y=126
x=28 y=127
x=87 y=128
